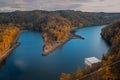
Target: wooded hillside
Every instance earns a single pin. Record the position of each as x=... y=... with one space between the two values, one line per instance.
x=7 y=36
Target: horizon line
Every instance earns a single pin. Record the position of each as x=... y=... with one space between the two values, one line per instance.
x=55 y=10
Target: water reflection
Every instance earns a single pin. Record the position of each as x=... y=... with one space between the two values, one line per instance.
x=2 y=63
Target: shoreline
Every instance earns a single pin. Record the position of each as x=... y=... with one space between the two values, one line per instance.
x=57 y=45
x=11 y=48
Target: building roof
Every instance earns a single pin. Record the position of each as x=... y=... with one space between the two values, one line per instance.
x=92 y=60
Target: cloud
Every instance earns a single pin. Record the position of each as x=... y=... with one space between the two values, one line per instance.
x=11 y=5
x=84 y=5
x=101 y=6
x=60 y=6
x=101 y=0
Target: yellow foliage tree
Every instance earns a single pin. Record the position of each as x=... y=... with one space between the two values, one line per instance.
x=7 y=34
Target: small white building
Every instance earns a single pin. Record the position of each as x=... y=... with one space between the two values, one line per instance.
x=89 y=62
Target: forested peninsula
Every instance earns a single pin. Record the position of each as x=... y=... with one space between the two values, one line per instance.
x=55 y=26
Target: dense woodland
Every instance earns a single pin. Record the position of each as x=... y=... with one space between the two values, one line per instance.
x=8 y=33
x=55 y=25
x=55 y=30
x=111 y=34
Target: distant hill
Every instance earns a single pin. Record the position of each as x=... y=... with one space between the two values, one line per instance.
x=33 y=19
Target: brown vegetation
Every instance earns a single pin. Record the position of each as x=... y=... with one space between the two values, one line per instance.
x=55 y=29
x=72 y=76
x=7 y=36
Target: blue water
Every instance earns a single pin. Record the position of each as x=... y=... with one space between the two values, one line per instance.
x=27 y=63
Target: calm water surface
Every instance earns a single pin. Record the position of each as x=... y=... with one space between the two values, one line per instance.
x=27 y=63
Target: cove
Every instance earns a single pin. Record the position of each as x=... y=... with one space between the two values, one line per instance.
x=27 y=63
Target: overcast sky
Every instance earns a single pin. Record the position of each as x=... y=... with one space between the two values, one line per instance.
x=51 y=5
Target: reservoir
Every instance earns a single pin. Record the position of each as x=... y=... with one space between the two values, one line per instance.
x=27 y=63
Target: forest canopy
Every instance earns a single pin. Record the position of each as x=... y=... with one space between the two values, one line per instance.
x=8 y=33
